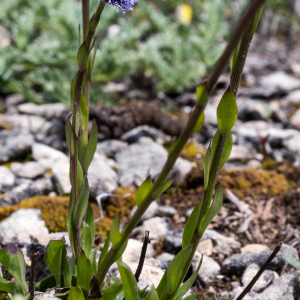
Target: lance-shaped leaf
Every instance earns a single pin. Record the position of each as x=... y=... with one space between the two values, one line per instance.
x=91 y=147
x=292 y=261
x=213 y=210
x=66 y=270
x=82 y=203
x=121 y=251
x=86 y=241
x=162 y=188
x=206 y=166
x=82 y=56
x=53 y=259
x=143 y=190
x=73 y=90
x=201 y=94
x=141 y=294
x=162 y=287
x=11 y=257
x=226 y=112
x=69 y=136
x=71 y=228
x=188 y=284
x=104 y=251
x=175 y=269
x=7 y=287
x=115 y=234
x=90 y=220
x=93 y=261
x=190 y=225
x=190 y=297
x=76 y=293
x=199 y=123
x=79 y=174
x=226 y=150
x=152 y=295
x=84 y=112
x=256 y=19
x=77 y=121
x=233 y=59
x=113 y=290
x=84 y=271
x=129 y=282
x=80 y=148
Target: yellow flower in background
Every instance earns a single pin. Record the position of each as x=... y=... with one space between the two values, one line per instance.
x=184 y=14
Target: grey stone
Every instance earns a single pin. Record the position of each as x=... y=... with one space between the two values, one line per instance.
x=290 y=251
x=48 y=295
x=14 y=144
x=11 y=103
x=138 y=159
x=53 y=110
x=241 y=153
x=28 y=170
x=166 y=211
x=252 y=110
x=166 y=259
x=60 y=170
x=27 y=189
x=102 y=178
x=110 y=147
x=7 y=179
x=264 y=280
x=150 y=212
x=158 y=227
x=208 y=270
x=22 y=227
x=222 y=244
x=132 y=136
x=46 y=155
x=237 y=263
x=133 y=250
x=254 y=248
x=23 y=122
x=173 y=241
x=295 y=119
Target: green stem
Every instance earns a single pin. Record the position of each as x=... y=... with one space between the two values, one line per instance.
x=85 y=16
x=220 y=66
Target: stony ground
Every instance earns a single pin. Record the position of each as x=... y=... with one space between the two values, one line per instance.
x=261 y=181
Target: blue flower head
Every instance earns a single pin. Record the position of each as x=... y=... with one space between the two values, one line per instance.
x=124 y=5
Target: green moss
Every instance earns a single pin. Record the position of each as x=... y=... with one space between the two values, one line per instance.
x=268 y=164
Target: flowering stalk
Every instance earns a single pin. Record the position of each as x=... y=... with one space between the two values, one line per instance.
x=161 y=181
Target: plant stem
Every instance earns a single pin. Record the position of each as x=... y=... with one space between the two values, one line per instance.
x=85 y=16
x=220 y=66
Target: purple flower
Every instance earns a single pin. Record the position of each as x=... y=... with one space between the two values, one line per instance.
x=124 y=5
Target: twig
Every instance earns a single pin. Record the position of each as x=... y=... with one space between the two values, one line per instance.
x=32 y=276
x=143 y=255
x=262 y=269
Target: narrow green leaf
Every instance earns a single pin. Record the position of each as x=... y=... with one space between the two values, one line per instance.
x=188 y=284
x=82 y=203
x=77 y=124
x=152 y=295
x=226 y=150
x=175 y=269
x=201 y=94
x=199 y=123
x=141 y=294
x=143 y=190
x=191 y=297
x=227 y=112
x=76 y=293
x=86 y=241
x=113 y=291
x=69 y=136
x=213 y=210
x=233 y=58
x=257 y=18
x=162 y=188
x=73 y=90
x=71 y=228
x=162 y=287
x=82 y=56
x=67 y=274
x=93 y=261
x=90 y=220
x=7 y=287
x=80 y=148
x=121 y=251
x=2 y=297
x=293 y=262
x=129 y=282
x=79 y=174
x=91 y=147
x=53 y=259
x=206 y=166
x=46 y=283
x=104 y=252
x=190 y=225
x=115 y=234
x=12 y=258
x=84 y=271
x=84 y=112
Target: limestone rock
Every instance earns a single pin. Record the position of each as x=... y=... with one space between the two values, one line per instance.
x=28 y=170
x=7 y=179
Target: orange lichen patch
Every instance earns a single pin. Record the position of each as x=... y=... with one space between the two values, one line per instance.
x=190 y=151
x=5 y=125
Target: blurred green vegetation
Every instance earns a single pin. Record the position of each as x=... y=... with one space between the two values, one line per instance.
x=150 y=42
